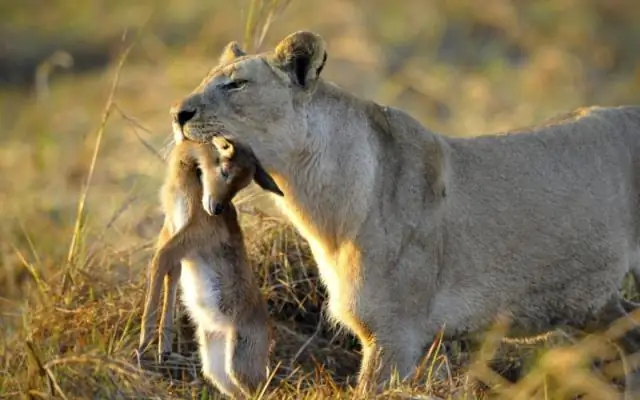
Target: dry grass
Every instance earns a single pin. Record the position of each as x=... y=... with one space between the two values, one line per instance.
x=80 y=180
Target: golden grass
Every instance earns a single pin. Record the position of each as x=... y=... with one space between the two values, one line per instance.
x=81 y=170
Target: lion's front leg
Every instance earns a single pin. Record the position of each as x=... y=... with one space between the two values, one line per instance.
x=391 y=356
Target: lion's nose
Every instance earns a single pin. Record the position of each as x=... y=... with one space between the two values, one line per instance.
x=184 y=115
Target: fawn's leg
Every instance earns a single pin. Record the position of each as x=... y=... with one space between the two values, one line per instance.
x=248 y=357
x=166 y=260
x=154 y=279
x=213 y=356
x=171 y=283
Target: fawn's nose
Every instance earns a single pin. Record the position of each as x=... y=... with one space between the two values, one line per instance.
x=184 y=115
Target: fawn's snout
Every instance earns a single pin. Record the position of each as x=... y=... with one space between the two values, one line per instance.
x=212 y=206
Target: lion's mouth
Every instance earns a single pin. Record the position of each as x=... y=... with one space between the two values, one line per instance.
x=181 y=133
x=190 y=132
x=178 y=133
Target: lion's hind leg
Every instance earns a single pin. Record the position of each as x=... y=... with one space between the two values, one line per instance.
x=628 y=340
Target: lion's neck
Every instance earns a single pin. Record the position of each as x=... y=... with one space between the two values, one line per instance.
x=328 y=185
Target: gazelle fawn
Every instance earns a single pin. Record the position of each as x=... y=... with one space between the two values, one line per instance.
x=201 y=246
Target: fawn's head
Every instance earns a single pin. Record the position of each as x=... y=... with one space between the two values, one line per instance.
x=237 y=167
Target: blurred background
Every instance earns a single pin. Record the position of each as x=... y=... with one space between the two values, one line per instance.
x=462 y=68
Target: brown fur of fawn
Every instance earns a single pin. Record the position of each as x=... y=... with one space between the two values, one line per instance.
x=201 y=246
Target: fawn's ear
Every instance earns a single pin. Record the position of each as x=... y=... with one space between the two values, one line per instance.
x=265 y=181
x=224 y=147
x=231 y=52
x=302 y=56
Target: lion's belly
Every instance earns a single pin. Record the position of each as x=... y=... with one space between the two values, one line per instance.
x=532 y=306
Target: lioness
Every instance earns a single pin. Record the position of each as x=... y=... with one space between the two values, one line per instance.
x=413 y=231
x=201 y=245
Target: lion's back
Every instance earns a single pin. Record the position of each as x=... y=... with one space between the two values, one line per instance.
x=547 y=214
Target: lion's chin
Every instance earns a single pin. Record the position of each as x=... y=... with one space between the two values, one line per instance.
x=178 y=135
x=202 y=137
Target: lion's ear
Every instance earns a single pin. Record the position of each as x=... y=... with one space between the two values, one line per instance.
x=302 y=55
x=231 y=52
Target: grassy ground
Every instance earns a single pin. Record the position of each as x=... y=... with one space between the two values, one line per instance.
x=71 y=293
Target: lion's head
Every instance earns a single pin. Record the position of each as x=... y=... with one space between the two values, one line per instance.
x=257 y=99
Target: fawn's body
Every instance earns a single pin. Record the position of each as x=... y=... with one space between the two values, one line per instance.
x=201 y=245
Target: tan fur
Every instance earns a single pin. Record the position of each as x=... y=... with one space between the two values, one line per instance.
x=414 y=231
x=222 y=295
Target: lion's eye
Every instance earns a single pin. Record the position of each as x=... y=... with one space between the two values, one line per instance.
x=235 y=84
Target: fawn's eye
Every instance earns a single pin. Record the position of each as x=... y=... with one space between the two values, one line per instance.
x=224 y=172
x=236 y=84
